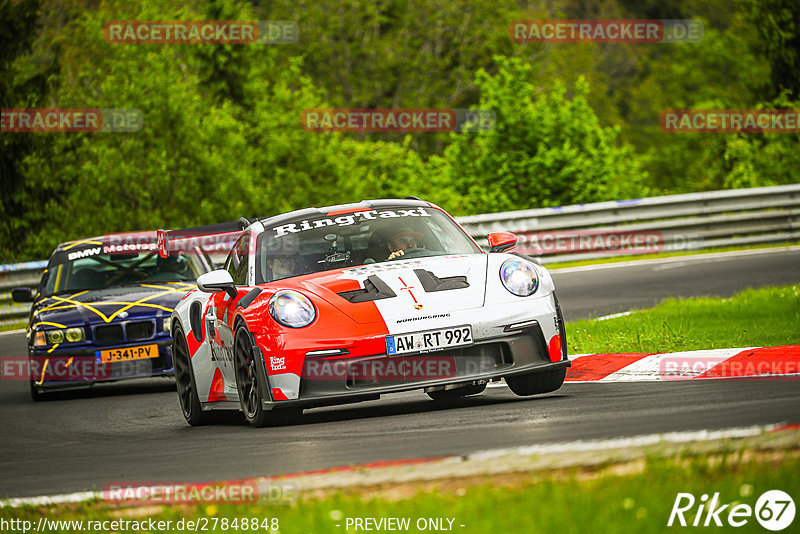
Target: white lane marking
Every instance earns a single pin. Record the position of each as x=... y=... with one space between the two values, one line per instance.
x=619 y=443
x=8 y=332
x=612 y=316
x=675 y=259
x=63 y=498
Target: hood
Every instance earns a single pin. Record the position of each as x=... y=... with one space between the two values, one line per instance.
x=405 y=289
x=133 y=301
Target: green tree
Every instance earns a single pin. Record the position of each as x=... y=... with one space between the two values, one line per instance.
x=20 y=87
x=778 y=26
x=546 y=149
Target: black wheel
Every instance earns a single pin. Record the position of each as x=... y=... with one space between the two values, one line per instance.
x=456 y=393
x=247 y=380
x=536 y=383
x=36 y=395
x=184 y=379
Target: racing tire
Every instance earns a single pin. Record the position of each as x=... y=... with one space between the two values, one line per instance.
x=184 y=380
x=442 y=395
x=247 y=380
x=536 y=383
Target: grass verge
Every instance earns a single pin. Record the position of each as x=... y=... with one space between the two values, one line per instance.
x=753 y=318
x=14 y=325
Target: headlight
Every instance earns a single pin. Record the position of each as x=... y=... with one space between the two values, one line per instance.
x=61 y=335
x=292 y=309
x=519 y=277
x=55 y=336
x=167 y=324
x=74 y=335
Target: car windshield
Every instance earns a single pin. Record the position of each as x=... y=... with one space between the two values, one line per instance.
x=354 y=238
x=99 y=271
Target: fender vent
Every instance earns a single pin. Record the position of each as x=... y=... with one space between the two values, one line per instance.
x=431 y=283
x=195 y=321
x=374 y=289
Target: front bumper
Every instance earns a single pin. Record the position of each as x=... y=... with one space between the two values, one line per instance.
x=70 y=368
x=337 y=380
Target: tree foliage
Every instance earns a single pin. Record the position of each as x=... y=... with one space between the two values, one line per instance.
x=546 y=150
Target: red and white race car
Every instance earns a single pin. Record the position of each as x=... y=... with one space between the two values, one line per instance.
x=341 y=304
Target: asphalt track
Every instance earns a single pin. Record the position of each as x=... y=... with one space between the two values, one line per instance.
x=133 y=432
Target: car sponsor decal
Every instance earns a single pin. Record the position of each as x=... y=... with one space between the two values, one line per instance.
x=347 y=220
x=422 y=318
x=406 y=287
x=71 y=301
x=83 y=253
x=277 y=364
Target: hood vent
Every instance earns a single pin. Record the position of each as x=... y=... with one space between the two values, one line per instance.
x=374 y=289
x=431 y=283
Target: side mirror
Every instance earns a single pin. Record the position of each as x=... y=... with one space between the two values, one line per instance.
x=501 y=241
x=22 y=294
x=216 y=281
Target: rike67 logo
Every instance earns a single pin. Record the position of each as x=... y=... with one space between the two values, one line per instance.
x=774 y=510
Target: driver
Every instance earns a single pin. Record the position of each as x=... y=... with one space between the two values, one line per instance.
x=281 y=266
x=282 y=259
x=403 y=240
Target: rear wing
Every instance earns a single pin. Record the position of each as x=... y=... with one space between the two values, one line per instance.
x=211 y=239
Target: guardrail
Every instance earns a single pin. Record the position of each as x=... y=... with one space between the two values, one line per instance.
x=589 y=231
x=17 y=275
x=693 y=221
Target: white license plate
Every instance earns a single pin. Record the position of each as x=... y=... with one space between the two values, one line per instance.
x=430 y=340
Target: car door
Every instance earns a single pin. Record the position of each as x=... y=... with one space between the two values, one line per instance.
x=222 y=310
